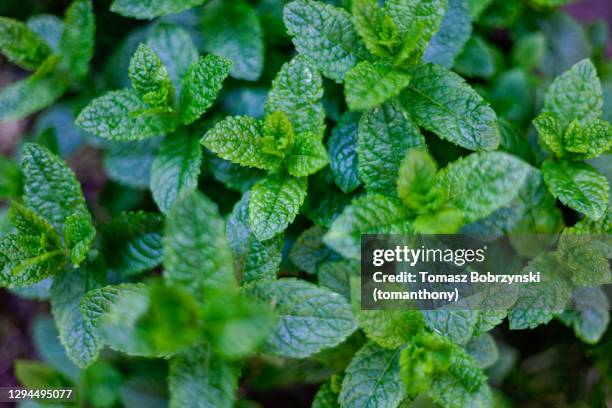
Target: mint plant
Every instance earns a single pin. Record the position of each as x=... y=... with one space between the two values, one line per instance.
x=192 y=196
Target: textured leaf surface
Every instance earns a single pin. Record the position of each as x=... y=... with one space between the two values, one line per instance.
x=368 y=214
x=550 y=132
x=300 y=307
x=122 y=115
x=199 y=375
x=232 y=30
x=77 y=40
x=390 y=328
x=150 y=78
x=254 y=260
x=416 y=180
x=196 y=252
x=175 y=169
x=297 y=91
x=577 y=185
x=443 y=103
x=77 y=334
x=367 y=85
x=385 y=134
x=50 y=187
x=590 y=140
x=238 y=139
x=27 y=96
x=148 y=9
x=307 y=156
x=590 y=316
x=201 y=84
x=325 y=34
x=576 y=94
x=308 y=249
x=372 y=379
x=342 y=150
x=20 y=45
x=480 y=183
x=79 y=233
x=274 y=203
x=455 y=30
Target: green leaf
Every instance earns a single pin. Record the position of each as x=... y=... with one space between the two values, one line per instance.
x=325 y=397
x=233 y=176
x=232 y=30
x=300 y=305
x=539 y=302
x=308 y=249
x=45 y=338
x=337 y=275
x=550 y=132
x=385 y=135
x=493 y=177
x=254 y=260
x=238 y=139
x=577 y=185
x=456 y=325
x=175 y=169
x=297 y=90
x=196 y=252
x=454 y=32
x=367 y=85
x=372 y=379
x=476 y=60
x=440 y=221
x=576 y=94
x=589 y=140
x=122 y=115
x=132 y=242
x=590 y=315
x=48 y=27
x=368 y=214
x=30 y=95
x=307 y=156
x=416 y=180
x=443 y=103
x=34 y=374
x=325 y=34
x=201 y=85
x=342 y=151
x=197 y=374
x=367 y=19
x=150 y=78
x=274 y=203
x=390 y=328
x=77 y=334
x=50 y=187
x=22 y=46
x=79 y=233
x=483 y=350
x=148 y=9
x=529 y=50
x=129 y=163
x=476 y=7
x=76 y=43
x=10 y=178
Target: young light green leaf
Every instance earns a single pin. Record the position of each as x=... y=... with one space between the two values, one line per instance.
x=367 y=85
x=342 y=151
x=254 y=260
x=577 y=185
x=550 y=132
x=325 y=34
x=50 y=187
x=122 y=115
x=448 y=41
x=150 y=78
x=76 y=44
x=589 y=140
x=416 y=179
x=274 y=203
x=201 y=85
x=297 y=90
x=299 y=306
x=232 y=30
x=372 y=379
x=238 y=139
x=79 y=233
x=77 y=334
x=368 y=214
x=493 y=177
x=22 y=46
x=443 y=103
x=175 y=169
x=149 y=9
x=390 y=328
x=197 y=374
x=196 y=252
x=132 y=242
x=385 y=134
x=307 y=155
x=367 y=18
x=576 y=94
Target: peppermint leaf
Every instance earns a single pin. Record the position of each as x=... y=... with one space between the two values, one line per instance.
x=416 y=180
x=175 y=169
x=550 y=132
x=22 y=46
x=79 y=233
x=150 y=78
x=307 y=156
x=148 y=9
x=30 y=95
x=454 y=32
x=342 y=151
x=325 y=34
x=76 y=43
x=274 y=203
x=196 y=252
x=300 y=305
x=368 y=85
x=590 y=140
x=385 y=134
x=444 y=104
x=390 y=328
x=590 y=315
